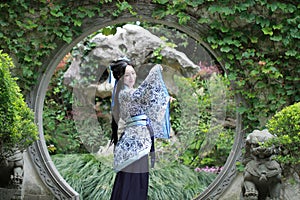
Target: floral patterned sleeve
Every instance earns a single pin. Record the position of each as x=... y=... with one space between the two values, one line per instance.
x=154 y=99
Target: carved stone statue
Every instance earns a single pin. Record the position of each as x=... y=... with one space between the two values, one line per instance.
x=262 y=175
x=11 y=173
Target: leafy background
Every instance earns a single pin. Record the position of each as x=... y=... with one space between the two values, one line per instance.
x=257 y=41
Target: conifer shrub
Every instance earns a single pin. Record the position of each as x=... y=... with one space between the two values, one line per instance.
x=17 y=127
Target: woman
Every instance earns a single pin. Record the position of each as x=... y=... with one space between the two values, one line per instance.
x=144 y=110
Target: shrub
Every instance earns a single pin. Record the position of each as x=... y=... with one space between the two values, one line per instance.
x=286 y=126
x=17 y=127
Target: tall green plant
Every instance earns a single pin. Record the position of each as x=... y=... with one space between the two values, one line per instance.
x=93 y=178
x=17 y=127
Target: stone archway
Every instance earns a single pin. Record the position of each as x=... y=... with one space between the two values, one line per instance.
x=39 y=153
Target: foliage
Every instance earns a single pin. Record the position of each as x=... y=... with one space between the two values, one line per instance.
x=285 y=124
x=61 y=132
x=17 y=127
x=59 y=129
x=32 y=29
x=93 y=178
x=198 y=124
x=258 y=41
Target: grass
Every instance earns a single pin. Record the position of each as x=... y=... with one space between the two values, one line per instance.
x=93 y=178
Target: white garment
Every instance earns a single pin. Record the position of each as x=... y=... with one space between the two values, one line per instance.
x=151 y=99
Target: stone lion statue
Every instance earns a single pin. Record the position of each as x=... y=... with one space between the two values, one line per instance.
x=262 y=175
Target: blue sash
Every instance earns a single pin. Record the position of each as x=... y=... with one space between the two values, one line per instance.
x=143 y=120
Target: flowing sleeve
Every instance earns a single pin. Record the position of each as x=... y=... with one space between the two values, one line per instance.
x=154 y=99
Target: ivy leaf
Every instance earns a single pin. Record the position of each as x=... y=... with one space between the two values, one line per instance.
x=248 y=17
x=254 y=72
x=241 y=110
x=295 y=33
x=90 y=13
x=213 y=9
x=267 y=31
x=277 y=26
x=57 y=32
x=291 y=52
x=214 y=46
x=253 y=39
x=262 y=21
x=228 y=66
x=224 y=29
x=203 y=20
x=20 y=33
x=109 y=31
x=211 y=39
x=227 y=10
x=230 y=56
x=273 y=6
x=67 y=39
x=27 y=58
x=162 y=1
x=158 y=14
x=56 y=11
x=77 y=22
x=225 y=49
x=276 y=38
x=183 y=18
x=195 y=3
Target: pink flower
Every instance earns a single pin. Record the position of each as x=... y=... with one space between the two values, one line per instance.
x=207 y=169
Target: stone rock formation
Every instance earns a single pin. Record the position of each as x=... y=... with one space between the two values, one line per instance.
x=136 y=43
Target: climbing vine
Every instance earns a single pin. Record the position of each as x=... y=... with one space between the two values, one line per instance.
x=257 y=40
x=259 y=44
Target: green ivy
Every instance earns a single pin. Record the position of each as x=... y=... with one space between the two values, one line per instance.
x=257 y=40
x=259 y=44
x=31 y=30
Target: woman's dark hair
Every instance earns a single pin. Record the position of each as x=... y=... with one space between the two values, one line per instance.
x=118 y=68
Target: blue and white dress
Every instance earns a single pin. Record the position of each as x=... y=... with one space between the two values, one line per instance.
x=145 y=112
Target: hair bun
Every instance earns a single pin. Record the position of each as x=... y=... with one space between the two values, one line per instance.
x=118 y=67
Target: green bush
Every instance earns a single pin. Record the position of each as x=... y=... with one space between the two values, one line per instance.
x=17 y=127
x=286 y=126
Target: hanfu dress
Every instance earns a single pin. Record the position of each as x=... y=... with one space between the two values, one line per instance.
x=145 y=113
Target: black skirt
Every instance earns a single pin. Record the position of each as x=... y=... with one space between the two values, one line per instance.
x=132 y=182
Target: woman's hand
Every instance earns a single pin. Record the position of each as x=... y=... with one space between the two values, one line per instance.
x=172 y=99
x=161 y=67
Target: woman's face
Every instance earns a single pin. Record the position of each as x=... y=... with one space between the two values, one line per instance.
x=129 y=76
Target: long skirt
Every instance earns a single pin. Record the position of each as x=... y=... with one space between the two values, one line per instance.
x=132 y=182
